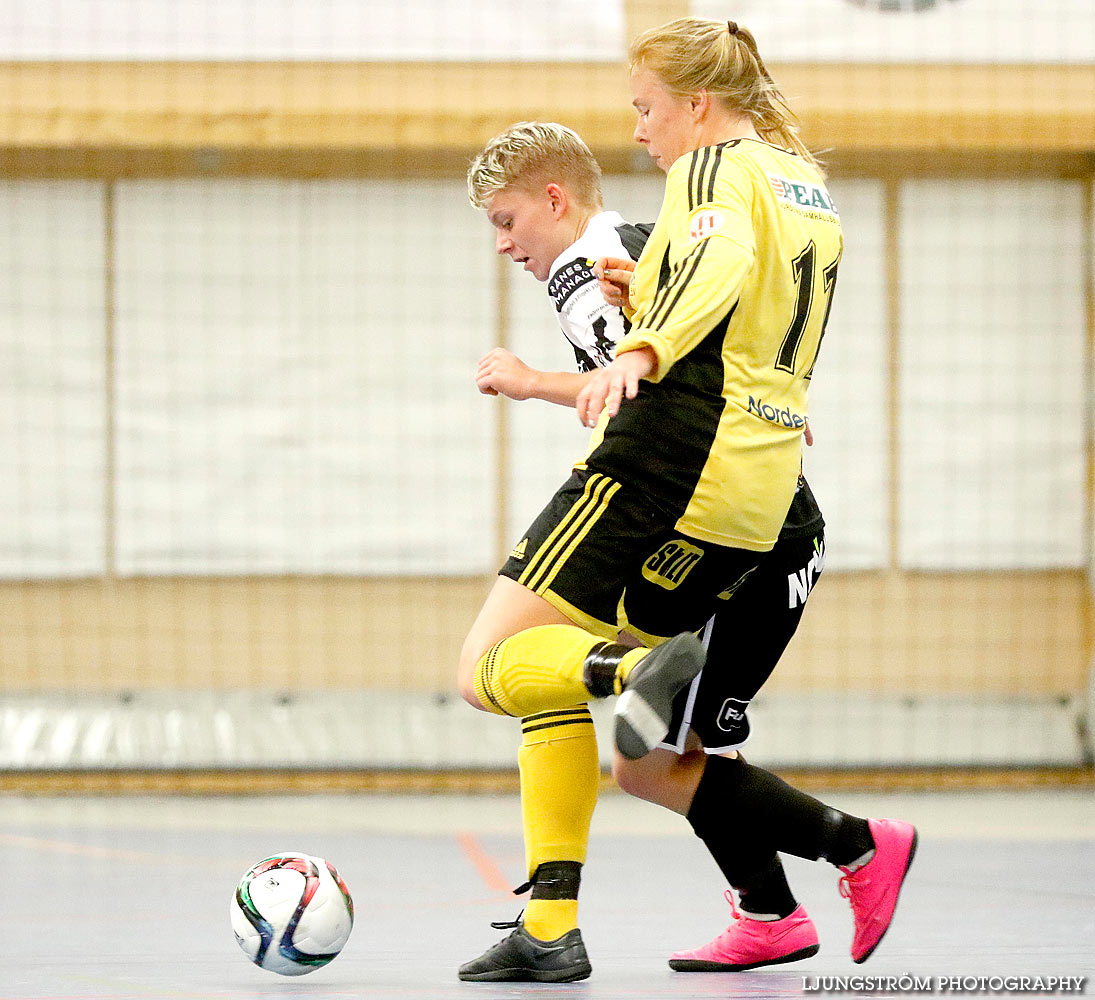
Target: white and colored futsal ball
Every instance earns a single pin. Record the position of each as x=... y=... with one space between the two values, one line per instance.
x=292 y=913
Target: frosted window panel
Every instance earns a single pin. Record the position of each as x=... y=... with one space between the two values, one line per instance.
x=295 y=387
x=847 y=465
x=545 y=440
x=52 y=380
x=992 y=374
x=302 y=29
x=942 y=31
x=637 y=197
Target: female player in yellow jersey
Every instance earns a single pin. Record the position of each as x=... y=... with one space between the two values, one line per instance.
x=686 y=484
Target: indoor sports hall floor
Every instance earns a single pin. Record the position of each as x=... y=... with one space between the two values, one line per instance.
x=127 y=898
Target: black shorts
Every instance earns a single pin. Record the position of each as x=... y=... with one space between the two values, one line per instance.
x=610 y=559
x=745 y=639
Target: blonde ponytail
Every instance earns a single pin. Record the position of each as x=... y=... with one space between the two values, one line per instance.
x=692 y=54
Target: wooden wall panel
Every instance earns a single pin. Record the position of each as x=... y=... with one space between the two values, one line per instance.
x=896 y=633
x=248 y=117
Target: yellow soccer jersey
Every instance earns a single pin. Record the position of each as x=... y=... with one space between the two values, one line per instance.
x=732 y=293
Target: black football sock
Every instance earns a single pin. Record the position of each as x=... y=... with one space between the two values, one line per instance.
x=767 y=894
x=750 y=814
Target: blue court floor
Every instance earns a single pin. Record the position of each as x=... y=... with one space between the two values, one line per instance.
x=128 y=898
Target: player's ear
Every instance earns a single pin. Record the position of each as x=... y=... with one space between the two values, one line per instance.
x=699 y=104
x=558 y=197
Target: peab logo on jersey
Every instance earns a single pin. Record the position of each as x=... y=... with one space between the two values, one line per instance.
x=704 y=222
x=801 y=194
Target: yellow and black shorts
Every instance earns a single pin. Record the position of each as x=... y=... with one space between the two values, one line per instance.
x=610 y=559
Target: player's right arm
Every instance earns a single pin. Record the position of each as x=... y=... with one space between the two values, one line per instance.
x=501 y=372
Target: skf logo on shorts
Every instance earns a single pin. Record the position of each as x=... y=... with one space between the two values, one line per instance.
x=704 y=222
x=732 y=714
x=671 y=563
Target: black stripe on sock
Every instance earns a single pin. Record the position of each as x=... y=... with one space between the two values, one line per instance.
x=558 y=725
x=580 y=710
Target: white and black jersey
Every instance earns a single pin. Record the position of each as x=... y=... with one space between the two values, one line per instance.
x=592 y=326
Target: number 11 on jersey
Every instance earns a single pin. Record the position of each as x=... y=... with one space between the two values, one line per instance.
x=802 y=267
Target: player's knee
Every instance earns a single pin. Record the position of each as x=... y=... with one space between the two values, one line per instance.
x=467 y=671
x=467 y=692
x=465 y=677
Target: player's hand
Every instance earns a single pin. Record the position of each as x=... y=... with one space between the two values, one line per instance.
x=808 y=435
x=607 y=386
x=501 y=371
x=613 y=276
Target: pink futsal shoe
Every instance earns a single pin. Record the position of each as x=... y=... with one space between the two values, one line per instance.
x=873 y=889
x=749 y=944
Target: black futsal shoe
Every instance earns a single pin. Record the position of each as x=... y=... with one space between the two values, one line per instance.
x=645 y=708
x=523 y=958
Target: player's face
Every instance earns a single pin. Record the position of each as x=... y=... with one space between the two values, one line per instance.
x=665 y=126
x=527 y=228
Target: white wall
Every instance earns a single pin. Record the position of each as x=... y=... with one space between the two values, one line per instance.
x=993 y=386
x=52 y=405
x=295 y=378
x=976 y=31
x=303 y=29
x=928 y=31
x=292 y=378
x=848 y=464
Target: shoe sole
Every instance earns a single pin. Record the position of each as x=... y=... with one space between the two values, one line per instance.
x=571 y=975
x=639 y=727
x=700 y=965
x=908 y=864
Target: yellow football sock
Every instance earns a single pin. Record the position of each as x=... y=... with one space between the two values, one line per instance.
x=548 y=919
x=541 y=669
x=560 y=777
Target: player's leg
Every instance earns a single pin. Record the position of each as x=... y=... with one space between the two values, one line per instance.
x=551 y=666
x=523 y=657
x=745 y=639
x=542 y=641
x=508 y=609
x=775 y=929
x=773 y=600
x=767 y=815
x=560 y=775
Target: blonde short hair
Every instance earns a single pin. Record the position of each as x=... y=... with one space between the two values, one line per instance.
x=692 y=54
x=529 y=154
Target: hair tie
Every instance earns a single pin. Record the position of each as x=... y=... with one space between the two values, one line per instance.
x=732 y=27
